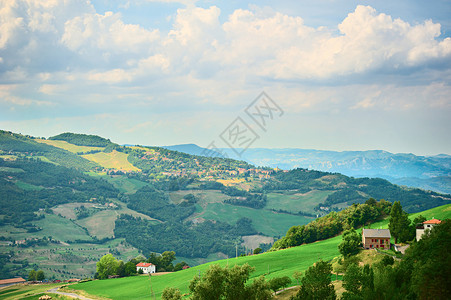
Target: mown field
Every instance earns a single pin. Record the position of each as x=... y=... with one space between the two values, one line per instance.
x=113 y=160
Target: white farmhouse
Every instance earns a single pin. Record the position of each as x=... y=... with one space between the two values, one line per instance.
x=146 y=267
x=427 y=225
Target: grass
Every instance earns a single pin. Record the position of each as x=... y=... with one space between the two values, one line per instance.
x=20 y=291
x=271 y=264
x=60 y=228
x=124 y=184
x=69 y=147
x=268 y=222
x=113 y=160
x=297 y=202
x=28 y=187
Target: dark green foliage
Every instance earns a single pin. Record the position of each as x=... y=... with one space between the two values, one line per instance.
x=430 y=261
x=155 y=204
x=32 y=275
x=40 y=275
x=387 y=261
x=358 y=282
x=350 y=243
x=185 y=239
x=163 y=262
x=228 y=283
x=332 y=224
x=399 y=224
x=257 y=250
x=82 y=139
x=279 y=283
x=316 y=283
x=170 y=293
x=130 y=268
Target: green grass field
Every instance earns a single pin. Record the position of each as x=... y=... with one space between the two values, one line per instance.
x=124 y=184
x=268 y=222
x=28 y=292
x=67 y=146
x=114 y=160
x=271 y=264
x=60 y=228
x=297 y=202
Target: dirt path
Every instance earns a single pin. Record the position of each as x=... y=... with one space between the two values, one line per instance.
x=73 y=295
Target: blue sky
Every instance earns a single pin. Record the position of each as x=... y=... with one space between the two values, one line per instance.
x=348 y=75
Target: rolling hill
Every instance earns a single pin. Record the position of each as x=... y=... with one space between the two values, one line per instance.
x=52 y=198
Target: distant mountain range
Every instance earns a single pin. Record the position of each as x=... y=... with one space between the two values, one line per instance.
x=426 y=172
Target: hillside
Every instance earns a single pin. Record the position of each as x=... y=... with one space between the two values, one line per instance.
x=271 y=264
x=57 y=195
x=425 y=172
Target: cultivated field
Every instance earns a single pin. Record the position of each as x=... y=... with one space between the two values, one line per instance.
x=297 y=202
x=113 y=160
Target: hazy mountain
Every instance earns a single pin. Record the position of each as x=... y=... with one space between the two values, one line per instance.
x=427 y=172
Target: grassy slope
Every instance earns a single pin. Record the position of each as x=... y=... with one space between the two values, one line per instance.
x=112 y=160
x=67 y=146
x=279 y=263
x=297 y=202
x=268 y=222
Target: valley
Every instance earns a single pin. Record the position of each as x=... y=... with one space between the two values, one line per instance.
x=86 y=194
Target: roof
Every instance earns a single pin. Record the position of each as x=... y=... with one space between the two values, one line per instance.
x=145 y=265
x=12 y=280
x=376 y=233
x=433 y=221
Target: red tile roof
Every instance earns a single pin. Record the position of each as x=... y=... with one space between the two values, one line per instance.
x=145 y=265
x=433 y=221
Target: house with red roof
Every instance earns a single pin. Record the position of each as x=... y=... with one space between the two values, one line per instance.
x=426 y=225
x=11 y=281
x=146 y=267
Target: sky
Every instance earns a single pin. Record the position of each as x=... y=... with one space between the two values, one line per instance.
x=324 y=74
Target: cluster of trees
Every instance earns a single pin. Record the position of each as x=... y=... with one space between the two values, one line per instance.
x=188 y=240
x=401 y=228
x=108 y=265
x=334 y=223
x=36 y=275
x=164 y=262
x=82 y=139
x=224 y=283
x=423 y=273
x=244 y=198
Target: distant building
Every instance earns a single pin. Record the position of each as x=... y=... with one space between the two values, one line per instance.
x=146 y=267
x=376 y=238
x=11 y=281
x=426 y=225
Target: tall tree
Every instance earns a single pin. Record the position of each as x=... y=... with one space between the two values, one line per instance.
x=40 y=276
x=107 y=266
x=350 y=243
x=316 y=284
x=399 y=223
x=32 y=275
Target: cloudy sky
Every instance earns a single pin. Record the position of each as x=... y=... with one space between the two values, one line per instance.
x=348 y=75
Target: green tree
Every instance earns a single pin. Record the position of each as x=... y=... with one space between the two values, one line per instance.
x=316 y=283
x=352 y=282
x=171 y=293
x=297 y=275
x=257 y=250
x=350 y=243
x=130 y=268
x=40 y=276
x=107 y=266
x=120 y=270
x=399 y=223
x=32 y=275
x=228 y=283
x=279 y=283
